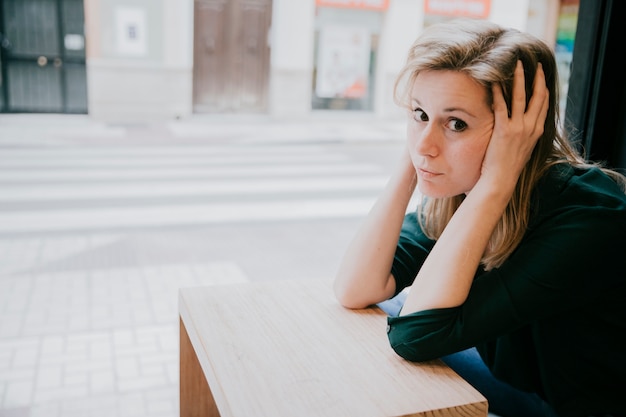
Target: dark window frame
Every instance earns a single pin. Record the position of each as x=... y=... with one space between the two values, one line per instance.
x=596 y=102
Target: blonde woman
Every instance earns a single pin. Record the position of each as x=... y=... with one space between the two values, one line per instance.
x=515 y=259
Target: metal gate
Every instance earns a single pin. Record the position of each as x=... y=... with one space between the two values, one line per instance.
x=231 y=55
x=42 y=61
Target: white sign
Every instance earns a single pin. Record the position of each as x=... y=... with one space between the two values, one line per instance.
x=343 y=62
x=131 y=31
x=74 y=42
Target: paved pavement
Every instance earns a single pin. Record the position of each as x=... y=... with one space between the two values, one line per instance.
x=100 y=225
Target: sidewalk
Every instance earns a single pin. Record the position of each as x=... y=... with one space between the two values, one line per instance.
x=60 y=130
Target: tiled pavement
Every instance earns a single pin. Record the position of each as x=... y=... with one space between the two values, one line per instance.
x=91 y=342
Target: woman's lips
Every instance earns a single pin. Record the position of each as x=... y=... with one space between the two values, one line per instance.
x=427 y=174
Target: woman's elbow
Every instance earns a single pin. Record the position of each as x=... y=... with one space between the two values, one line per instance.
x=364 y=293
x=411 y=347
x=348 y=299
x=411 y=353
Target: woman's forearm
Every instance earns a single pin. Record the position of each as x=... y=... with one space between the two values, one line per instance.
x=364 y=276
x=446 y=276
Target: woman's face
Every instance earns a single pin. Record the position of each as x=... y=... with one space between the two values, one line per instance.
x=448 y=132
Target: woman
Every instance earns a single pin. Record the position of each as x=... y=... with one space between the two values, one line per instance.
x=516 y=255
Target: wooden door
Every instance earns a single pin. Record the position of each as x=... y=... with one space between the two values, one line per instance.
x=231 y=55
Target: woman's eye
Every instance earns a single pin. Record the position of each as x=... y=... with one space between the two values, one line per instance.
x=419 y=115
x=457 y=125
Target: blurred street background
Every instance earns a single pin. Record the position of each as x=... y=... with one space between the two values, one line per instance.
x=101 y=224
x=149 y=145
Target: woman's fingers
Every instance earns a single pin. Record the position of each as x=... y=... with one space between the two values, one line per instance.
x=518 y=100
x=529 y=119
x=499 y=104
x=539 y=102
x=516 y=132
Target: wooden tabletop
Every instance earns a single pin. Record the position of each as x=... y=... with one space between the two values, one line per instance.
x=287 y=348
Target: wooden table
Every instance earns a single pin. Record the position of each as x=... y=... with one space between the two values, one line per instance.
x=287 y=348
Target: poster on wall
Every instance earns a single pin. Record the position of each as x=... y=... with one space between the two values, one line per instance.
x=564 y=48
x=567 y=22
x=131 y=31
x=343 y=62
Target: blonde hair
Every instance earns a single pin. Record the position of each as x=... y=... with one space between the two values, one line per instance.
x=488 y=53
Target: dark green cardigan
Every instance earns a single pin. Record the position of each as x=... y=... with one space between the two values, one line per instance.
x=552 y=318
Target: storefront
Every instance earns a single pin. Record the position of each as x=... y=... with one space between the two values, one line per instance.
x=156 y=59
x=346 y=46
x=359 y=46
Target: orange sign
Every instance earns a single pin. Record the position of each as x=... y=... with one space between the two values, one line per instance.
x=355 y=4
x=465 y=8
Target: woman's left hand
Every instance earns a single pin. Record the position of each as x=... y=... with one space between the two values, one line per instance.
x=514 y=137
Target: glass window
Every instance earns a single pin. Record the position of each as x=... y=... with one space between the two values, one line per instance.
x=346 y=42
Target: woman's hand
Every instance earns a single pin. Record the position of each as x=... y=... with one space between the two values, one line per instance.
x=514 y=138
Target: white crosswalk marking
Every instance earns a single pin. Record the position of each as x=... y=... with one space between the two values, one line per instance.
x=98 y=188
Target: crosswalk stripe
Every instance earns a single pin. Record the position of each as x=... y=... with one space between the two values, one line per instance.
x=168 y=161
x=150 y=151
x=187 y=188
x=178 y=215
x=150 y=173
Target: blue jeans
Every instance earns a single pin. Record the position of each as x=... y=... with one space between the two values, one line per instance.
x=504 y=400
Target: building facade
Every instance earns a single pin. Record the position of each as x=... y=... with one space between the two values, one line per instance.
x=154 y=59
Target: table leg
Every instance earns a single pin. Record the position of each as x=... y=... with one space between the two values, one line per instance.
x=196 y=399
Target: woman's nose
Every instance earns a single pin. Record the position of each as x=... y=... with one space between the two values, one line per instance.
x=427 y=141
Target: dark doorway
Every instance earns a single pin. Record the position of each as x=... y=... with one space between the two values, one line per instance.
x=231 y=55
x=42 y=58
